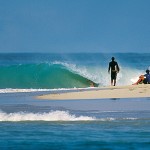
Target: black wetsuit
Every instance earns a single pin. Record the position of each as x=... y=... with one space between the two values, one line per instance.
x=114 y=69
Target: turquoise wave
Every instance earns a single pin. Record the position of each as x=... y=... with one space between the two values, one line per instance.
x=41 y=76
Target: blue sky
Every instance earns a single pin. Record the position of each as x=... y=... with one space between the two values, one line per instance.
x=75 y=26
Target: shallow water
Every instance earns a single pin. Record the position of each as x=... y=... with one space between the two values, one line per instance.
x=28 y=123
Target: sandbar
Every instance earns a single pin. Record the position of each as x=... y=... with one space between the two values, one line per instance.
x=129 y=91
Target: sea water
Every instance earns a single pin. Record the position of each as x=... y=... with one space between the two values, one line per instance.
x=29 y=123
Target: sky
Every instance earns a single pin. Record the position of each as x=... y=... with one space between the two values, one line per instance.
x=74 y=26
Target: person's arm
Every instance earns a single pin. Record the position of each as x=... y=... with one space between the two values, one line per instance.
x=109 y=68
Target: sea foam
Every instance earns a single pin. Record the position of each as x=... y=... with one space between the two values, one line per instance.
x=50 y=116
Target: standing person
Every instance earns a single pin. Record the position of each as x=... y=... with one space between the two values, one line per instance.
x=113 y=65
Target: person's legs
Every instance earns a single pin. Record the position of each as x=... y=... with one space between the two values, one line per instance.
x=141 y=78
x=137 y=82
x=111 y=82
x=113 y=78
x=114 y=82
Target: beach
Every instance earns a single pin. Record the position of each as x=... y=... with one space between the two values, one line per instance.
x=131 y=91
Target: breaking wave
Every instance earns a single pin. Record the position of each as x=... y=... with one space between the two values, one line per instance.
x=52 y=116
x=43 y=75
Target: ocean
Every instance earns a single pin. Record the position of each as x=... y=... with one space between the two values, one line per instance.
x=28 y=123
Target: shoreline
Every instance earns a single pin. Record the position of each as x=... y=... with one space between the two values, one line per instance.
x=110 y=92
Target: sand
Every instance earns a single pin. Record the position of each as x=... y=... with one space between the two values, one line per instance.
x=131 y=91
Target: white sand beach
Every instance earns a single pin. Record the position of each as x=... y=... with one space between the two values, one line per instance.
x=130 y=91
